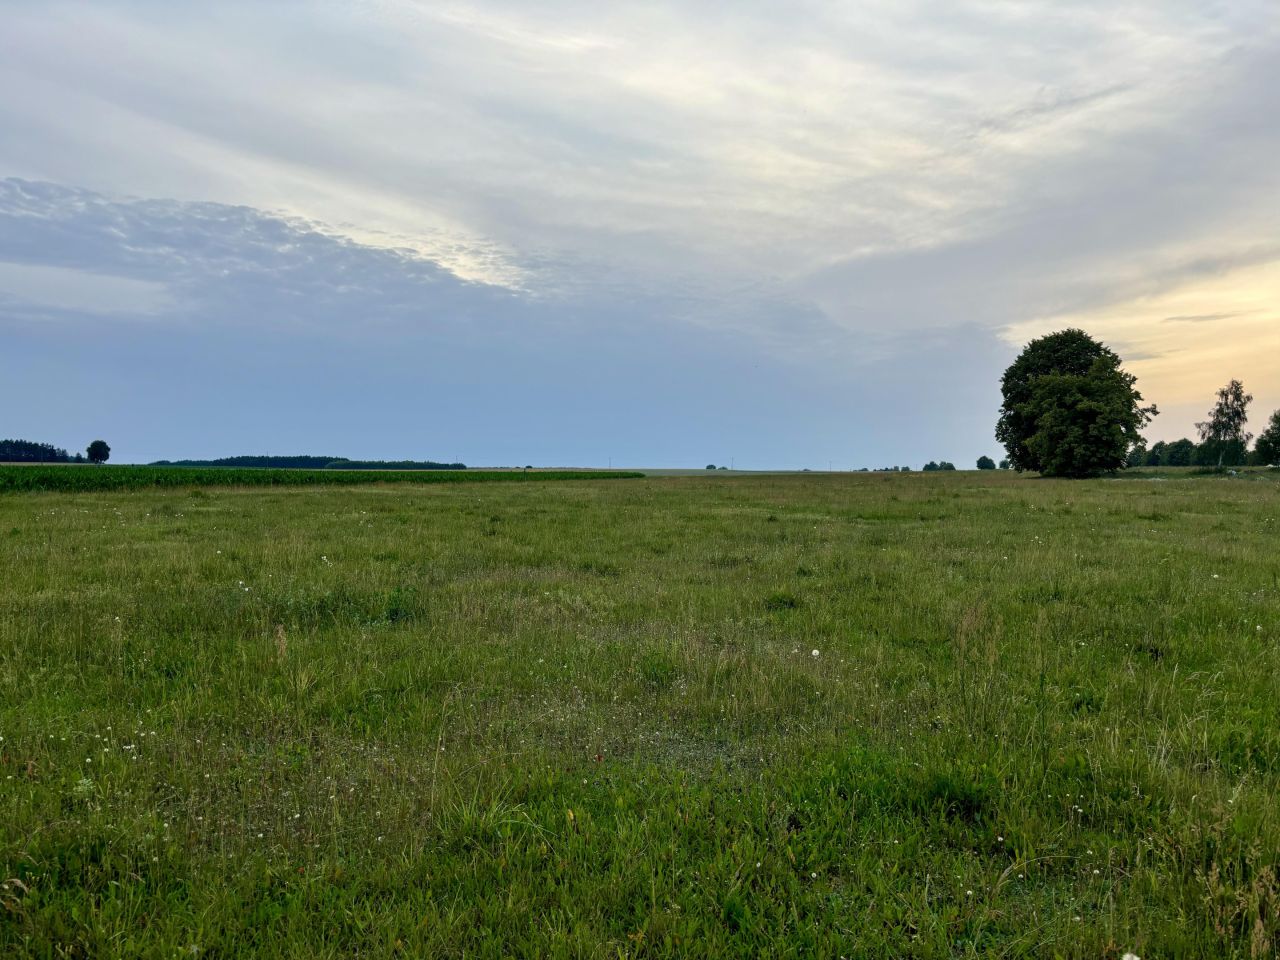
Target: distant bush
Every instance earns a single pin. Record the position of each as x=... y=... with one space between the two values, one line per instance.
x=986 y=463
x=942 y=465
x=711 y=466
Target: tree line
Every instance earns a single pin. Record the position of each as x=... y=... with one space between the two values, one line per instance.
x=1070 y=410
x=29 y=451
x=311 y=463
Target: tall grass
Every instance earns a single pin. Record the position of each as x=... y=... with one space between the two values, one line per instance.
x=959 y=715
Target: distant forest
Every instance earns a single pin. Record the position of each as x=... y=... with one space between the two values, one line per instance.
x=28 y=451
x=313 y=463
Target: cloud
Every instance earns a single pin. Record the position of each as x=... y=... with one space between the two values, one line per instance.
x=657 y=137
x=1201 y=318
x=33 y=288
x=823 y=188
x=210 y=263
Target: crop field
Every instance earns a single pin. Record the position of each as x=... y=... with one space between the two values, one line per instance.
x=874 y=715
x=92 y=478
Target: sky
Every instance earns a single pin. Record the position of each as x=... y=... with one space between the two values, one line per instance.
x=667 y=233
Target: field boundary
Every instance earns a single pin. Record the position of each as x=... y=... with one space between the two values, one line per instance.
x=75 y=479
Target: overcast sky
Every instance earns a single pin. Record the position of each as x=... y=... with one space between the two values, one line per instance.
x=666 y=233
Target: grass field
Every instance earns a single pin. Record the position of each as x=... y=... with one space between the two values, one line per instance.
x=945 y=715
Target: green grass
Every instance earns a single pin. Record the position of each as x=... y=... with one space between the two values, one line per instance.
x=83 y=479
x=954 y=715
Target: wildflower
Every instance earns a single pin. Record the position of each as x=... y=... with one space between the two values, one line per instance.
x=816 y=653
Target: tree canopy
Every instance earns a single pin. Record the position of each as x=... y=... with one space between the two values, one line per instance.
x=98 y=451
x=1267 y=449
x=1069 y=409
x=1222 y=436
x=28 y=451
x=986 y=463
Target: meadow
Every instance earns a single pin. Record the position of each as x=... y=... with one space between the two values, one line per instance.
x=864 y=715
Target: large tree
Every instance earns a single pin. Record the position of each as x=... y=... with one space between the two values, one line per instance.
x=98 y=451
x=1069 y=409
x=1223 y=435
x=1267 y=449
